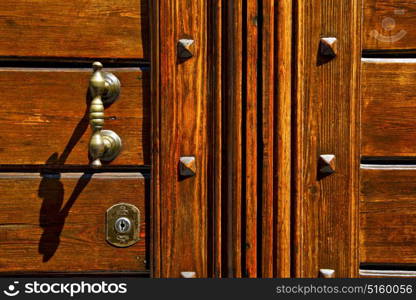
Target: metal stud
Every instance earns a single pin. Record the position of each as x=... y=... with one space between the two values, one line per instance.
x=326 y=273
x=187 y=166
x=188 y=274
x=326 y=164
x=328 y=47
x=185 y=49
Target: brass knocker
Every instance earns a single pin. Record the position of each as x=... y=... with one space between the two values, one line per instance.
x=104 y=145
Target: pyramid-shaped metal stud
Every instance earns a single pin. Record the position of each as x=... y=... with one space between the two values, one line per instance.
x=328 y=47
x=187 y=166
x=326 y=164
x=326 y=273
x=185 y=49
x=188 y=274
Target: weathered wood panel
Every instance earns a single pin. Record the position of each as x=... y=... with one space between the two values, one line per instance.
x=326 y=213
x=76 y=28
x=181 y=130
x=388 y=107
x=44 y=117
x=388 y=214
x=56 y=222
x=389 y=25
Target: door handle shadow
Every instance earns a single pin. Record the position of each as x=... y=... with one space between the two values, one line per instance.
x=77 y=134
x=52 y=214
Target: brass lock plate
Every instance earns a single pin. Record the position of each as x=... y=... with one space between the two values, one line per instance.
x=122 y=225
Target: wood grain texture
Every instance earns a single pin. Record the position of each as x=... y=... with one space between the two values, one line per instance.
x=250 y=148
x=44 y=117
x=257 y=134
x=326 y=212
x=216 y=157
x=283 y=140
x=389 y=25
x=182 y=131
x=388 y=215
x=56 y=222
x=155 y=209
x=79 y=28
x=388 y=107
x=234 y=138
x=268 y=90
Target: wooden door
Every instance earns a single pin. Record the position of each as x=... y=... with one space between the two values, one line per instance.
x=181 y=149
x=53 y=204
x=260 y=139
x=355 y=164
x=54 y=201
x=326 y=137
x=387 y=173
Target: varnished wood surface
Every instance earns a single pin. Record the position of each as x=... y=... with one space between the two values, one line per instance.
x=251 y=159
x=155 y=224
x=388 y=214
x=56 y=222
x=59 y=28
x=44 y=116
x=250 y=149
x=274 y=138
x=256 y=131
x=389 y=25
x=268 y=93
x=283 y=141
x=181 y=131
x=388 y=107
x=215 y=186
x=326 y=212
x=234 y=140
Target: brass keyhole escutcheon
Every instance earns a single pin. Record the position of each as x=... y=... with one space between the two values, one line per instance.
x=122 y=225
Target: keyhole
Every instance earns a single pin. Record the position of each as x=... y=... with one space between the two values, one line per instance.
x=122 y=225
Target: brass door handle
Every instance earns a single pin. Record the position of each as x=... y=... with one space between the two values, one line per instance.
x=104 y=145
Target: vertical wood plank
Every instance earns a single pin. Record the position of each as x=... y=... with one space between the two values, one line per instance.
x=276 y=81
x=282 y=175
x=267 y=138
x=258 y=138
x=234 y=138
x=182 y=132
x=250 y=82
x=215 y=37
x=155 y=267
x=326 y=123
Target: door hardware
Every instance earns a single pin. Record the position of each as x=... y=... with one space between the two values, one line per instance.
x=185 y=49
x=328 y=47
x=326 y=273
x=187 y=166
x=326 y=164
x=188 y=274
x=104 y=145
x=122 y=225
